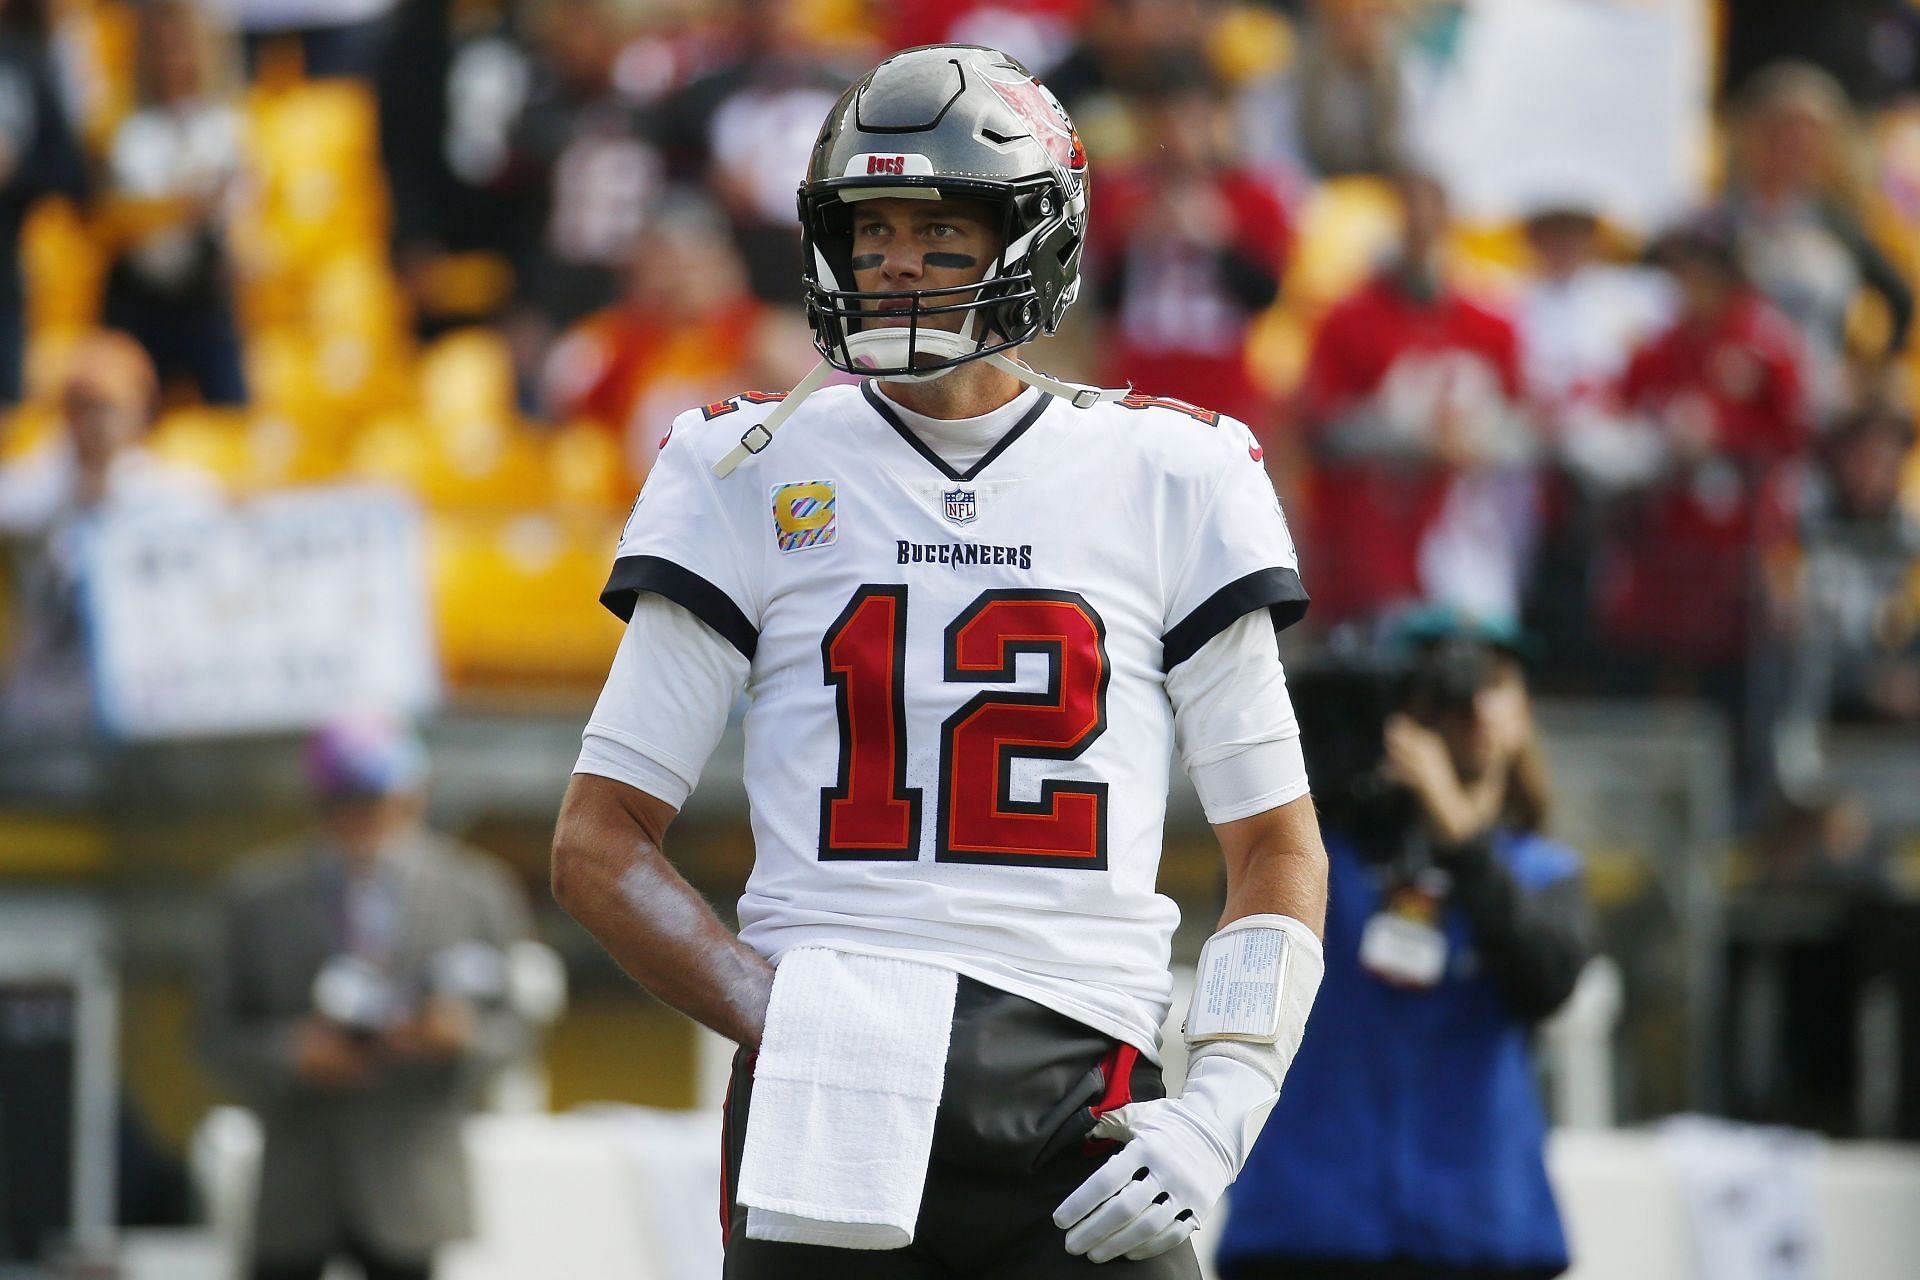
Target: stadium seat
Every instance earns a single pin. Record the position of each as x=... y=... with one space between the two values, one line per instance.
x=64 y=268
x=467 y=374
x=587 y=469
x=516 y=597
x=316 y=165
x=1343 y=228
x=26 y=428
x=212 y=440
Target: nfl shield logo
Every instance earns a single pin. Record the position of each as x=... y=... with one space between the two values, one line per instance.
x=960 y=508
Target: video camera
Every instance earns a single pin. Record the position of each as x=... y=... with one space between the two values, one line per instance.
x=1343 y=704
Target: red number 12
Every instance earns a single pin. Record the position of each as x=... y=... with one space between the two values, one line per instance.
x=871 y=814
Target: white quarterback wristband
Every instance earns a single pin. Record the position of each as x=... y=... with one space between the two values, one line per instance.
x=1253 y=988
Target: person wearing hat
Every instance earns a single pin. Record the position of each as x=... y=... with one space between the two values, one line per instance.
x=1408 y=1144
x=357 y=1001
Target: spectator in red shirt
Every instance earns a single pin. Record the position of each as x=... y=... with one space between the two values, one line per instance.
x=687 y=332
x=1190 y=255
x=1424 y=485
x=1723 y=391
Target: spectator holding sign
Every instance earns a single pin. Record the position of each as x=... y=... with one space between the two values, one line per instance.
x=47 y=500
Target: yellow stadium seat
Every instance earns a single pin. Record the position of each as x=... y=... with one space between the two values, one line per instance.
x=587 y=469
x=64 y=267
x=316 y=167
x=279 y=370
x=516 y=597
x=355 y=289
x=397 y=450
x=1277 y=348
x=1489 y=259
x=1344 y=228
x=25 y=429
x=213 y=440
x=465 y=285
x=471 y=464
x=1247 y=41
x=467 y=374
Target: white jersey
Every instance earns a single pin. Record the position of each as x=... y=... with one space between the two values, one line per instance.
x=958 y=732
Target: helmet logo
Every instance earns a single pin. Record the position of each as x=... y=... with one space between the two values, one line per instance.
x=1040 y=110
x=871 y=164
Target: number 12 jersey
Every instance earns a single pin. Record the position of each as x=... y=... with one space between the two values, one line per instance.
x=958 y=730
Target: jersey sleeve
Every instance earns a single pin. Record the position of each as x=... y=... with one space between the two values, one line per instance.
x=688 y=541
x=1239 y=557
x=1234 y=722
x=664 y=705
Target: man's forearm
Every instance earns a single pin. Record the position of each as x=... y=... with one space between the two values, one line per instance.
x=609 y=873
x=1276 y=864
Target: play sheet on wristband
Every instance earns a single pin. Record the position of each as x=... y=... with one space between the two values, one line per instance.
x=1237 y=988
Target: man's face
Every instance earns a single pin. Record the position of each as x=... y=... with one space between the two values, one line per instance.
x=1706 y=289
x=1423 y=204
x=362 y=828
x=1564 y=242
x=1471 y=729
x=102 y=418
x=901 y=245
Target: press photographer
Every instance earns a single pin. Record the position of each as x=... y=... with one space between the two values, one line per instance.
x=1412 y=1134
x=358 y=1002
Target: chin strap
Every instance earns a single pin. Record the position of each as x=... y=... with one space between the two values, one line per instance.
x=1081 y=395
x=760 y=435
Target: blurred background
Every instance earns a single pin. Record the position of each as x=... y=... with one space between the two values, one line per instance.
x=336 y=338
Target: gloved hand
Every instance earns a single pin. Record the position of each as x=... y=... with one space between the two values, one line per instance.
x=1180 y=1156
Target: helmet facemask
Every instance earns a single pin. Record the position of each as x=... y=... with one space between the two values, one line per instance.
x=1008 y=306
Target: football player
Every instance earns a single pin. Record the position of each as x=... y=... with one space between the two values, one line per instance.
x=974 y=609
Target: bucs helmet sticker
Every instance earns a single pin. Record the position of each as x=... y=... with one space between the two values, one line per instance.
x=805 y=515
x=872 y=163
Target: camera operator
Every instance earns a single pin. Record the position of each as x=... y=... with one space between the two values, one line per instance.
x=1412 y=1140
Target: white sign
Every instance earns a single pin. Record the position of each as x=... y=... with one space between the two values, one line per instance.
x=272 y=615
x=1601 y=104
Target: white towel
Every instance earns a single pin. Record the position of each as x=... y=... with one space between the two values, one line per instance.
x=844 y=1094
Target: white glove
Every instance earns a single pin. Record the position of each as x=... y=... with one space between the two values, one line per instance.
x=1180 y=1156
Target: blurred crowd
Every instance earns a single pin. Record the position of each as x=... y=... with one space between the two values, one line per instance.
x=488 y=247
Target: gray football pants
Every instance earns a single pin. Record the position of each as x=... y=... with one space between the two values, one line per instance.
x=1024 y=1086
